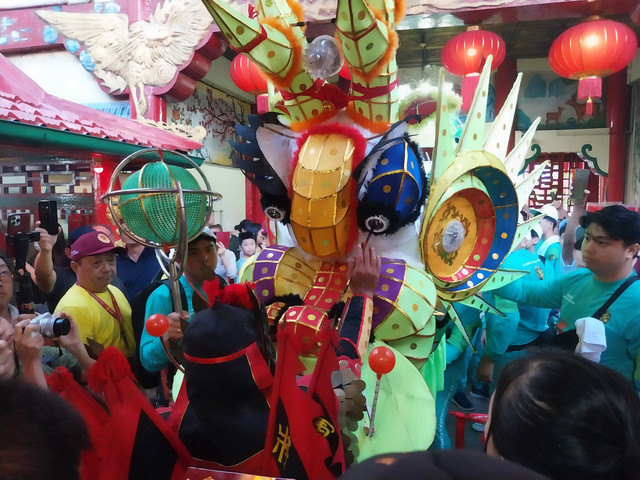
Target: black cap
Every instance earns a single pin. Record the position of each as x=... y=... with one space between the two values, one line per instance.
x=253 y=228
x=243 y=225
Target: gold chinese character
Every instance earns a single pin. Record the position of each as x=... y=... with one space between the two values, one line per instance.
x=283 y=442
x=540 y=273
x=323 y=426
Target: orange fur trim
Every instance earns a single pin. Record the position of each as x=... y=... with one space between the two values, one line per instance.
x=306 y=124
x=375 y=127
x=389 y=54
x=284 y=83
x=400 y=11
x=296 y=8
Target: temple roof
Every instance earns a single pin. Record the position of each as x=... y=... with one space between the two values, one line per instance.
x=22 y=101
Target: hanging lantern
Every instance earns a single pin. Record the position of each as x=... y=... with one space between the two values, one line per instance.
x=465 y=55
x=592 y=50
x=247 y=75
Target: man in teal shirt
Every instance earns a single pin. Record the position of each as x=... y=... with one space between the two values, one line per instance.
x=199 y=267
x=609 y=249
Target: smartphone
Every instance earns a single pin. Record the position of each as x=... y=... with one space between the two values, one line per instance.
x=48 y=216
x=16 y=223
x=580 y=182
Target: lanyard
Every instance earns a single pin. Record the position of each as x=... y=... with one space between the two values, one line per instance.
x=114 y=312
x=186 y=307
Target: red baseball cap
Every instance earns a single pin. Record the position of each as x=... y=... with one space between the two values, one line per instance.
x=92 y=243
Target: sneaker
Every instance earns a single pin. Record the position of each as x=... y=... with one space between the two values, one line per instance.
x=461 y=400
x=478 y=426
x=482 y=392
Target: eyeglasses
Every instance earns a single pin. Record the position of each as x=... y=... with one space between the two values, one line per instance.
x=5 y=275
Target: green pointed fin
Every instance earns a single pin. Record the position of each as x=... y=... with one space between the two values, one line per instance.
x=444 y=149
x=524 y=186
x=503 y=277
x=458 y=323
x=497 y=141
x=522 y=230
x=515 y=160
x=479 y=303
x=473 y=135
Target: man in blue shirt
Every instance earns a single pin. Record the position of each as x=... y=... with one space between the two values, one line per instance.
x=137 y=267
x=609 y=249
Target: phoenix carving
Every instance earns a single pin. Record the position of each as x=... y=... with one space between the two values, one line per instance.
x=141 y=54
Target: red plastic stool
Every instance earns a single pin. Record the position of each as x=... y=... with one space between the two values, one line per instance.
x=461 y=418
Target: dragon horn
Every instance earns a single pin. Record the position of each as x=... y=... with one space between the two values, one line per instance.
x=275 y=43
x=369 y=43
x=271 y=43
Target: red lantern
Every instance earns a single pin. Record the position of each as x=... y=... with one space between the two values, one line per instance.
x=465 y=55
x=592 y=50
x=247 y=75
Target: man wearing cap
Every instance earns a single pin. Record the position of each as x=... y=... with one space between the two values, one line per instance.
x=101 y=311
x=199 y=267
x=549 y=245
x=54 y=281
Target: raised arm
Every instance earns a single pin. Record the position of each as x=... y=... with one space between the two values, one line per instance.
x=569 y=240
x=44 y=274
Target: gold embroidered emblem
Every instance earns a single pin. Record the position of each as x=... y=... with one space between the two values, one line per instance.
x=103 y=238
x=540 y=273
x=606 y=316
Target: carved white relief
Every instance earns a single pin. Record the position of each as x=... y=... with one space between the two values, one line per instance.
x=141 y=54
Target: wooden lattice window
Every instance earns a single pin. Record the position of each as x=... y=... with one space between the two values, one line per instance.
x=557 y=178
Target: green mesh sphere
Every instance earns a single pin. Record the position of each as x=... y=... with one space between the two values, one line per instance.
x=153 y=216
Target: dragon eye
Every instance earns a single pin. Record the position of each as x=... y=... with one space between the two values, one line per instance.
x=275 y=213
x=377 y=223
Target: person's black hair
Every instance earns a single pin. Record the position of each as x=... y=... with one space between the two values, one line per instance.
x=42 y=436
x=8 y=262
x=619 y=222
x=246 y=236
x=567 y=417
x=551 y=219
x=437 y=465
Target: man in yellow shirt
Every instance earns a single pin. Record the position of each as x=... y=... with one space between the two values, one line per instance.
x=101 y=311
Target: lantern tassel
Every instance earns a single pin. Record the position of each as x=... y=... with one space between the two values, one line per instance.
x=589 y=87
x=469 y=85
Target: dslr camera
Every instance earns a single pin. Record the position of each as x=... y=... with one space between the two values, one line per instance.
x=50 y=326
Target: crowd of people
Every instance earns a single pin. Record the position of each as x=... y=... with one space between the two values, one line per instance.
x=571 y=411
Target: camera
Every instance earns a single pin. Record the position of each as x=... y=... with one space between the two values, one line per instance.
x=50 y=326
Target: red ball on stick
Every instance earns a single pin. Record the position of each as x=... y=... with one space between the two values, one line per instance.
x=382 y=360
x=157 y=325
